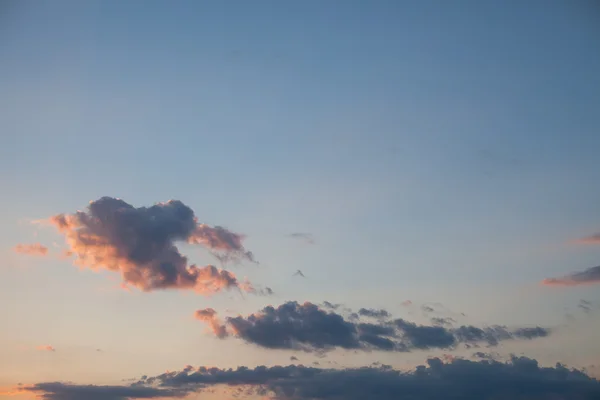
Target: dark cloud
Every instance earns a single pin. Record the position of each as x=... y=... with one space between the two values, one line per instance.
x=66 y=391
x=140 y=244
x=299 y=273
x=442 y=321
x=293 y=358
x=308 y=327
x=427 y=309
x=589 y=276
x=585 y=306
x=449 y=378
x=307 y=237
x=369 y=312
x=331 y=306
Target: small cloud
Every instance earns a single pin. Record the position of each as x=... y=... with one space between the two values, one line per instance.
x=588 y=277
x=99 y=350
x=591 y=239
x=140 y=243
x=46 y=347
x=427 y=309
x=406 y=303
x=306 y=237
x=34 y=249
x=585 y=305
x=293 y=358
x=299 y=273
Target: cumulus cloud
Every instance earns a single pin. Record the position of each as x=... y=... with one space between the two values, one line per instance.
x=309 y=328
x=140 y=244
x=449 y=378
x=46 y=347
x=34 y=249
x=589 y=276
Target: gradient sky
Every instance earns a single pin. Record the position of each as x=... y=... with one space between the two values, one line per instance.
x=438 y=152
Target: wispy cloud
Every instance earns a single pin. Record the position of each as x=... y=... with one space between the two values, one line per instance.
x=591 y=239
x=140 y=244
x=438 y=378
x=589 y=276
x=309 y=328
x=33 y=249
x=46 y=347
x=306 y=237
x=299 y=273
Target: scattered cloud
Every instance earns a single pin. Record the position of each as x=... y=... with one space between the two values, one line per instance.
x=140 y=244
x=293 y=358
x=364 y=312
x=299 y=273
x=427 y=309
x=442 y=321
x=46 y=347
x=591 y=239
x=309 y=328
x=589 y=276
x=585 y=305
x=448 y=378
x=306 y=237
x=34 y=249
x=209 y=315
x=407 y=303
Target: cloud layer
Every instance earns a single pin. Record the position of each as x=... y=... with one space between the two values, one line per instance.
x=519 y=378
x=140 y=244
x=308 y=327
x=34 y=249
x=589 y=276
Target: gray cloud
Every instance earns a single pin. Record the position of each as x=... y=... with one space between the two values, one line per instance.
x=140 y=244
x=307 y=237
x=66 y=391
x=373 y=313
x=452 y=378
x=309 y=328
x=589 y=276
x=299 y=273
x=585 y=306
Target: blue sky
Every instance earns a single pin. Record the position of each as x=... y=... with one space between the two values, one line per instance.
x=437 y=151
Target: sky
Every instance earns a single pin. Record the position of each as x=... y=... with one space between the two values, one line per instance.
x=228 y=184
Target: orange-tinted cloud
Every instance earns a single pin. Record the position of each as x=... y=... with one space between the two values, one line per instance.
x=139 y=243
x=46 y=347
x=209 y=316
x=592 y=239
x=588 y=277
x=34 y=249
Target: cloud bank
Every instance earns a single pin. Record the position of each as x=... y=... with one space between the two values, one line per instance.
x=140 y=244
x=519 y=378
x=34 y=249
x=587 y=277
x=310 y=328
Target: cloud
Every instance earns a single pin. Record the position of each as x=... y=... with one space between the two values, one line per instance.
x=34 y=249
x=307 y=237
x=585 y=306
x=589 y=276
x=591 y=239
x=209 y=315
x=67 y=391
x=309 y=328
x=299 y=273
x=373 y=313
x=449 y=378
x=46 y=347
x=140 y=244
